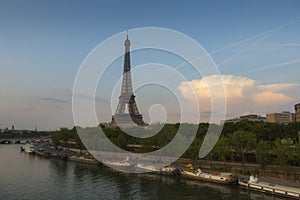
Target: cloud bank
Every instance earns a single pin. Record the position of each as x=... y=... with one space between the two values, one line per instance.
x=242 y=95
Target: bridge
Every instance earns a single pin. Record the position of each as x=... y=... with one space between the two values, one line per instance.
x=23 y=140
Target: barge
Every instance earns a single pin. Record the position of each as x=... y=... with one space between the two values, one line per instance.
x=222 y=178
x=254 y=184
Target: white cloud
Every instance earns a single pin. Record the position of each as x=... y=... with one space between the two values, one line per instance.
x=278 y=87
x=266 y=98
x=242 y=95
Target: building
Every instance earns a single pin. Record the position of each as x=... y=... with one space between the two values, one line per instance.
x=283 y=117
x=251 y=117
x=127 y=117
x=297 y=112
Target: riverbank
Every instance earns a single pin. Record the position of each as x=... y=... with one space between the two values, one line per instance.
x=47 y=150
x=270 y=174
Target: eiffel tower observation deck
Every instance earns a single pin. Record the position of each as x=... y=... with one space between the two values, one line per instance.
x=127 y=113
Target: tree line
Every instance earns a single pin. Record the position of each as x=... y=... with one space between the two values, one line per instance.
x=245 y=141
x=23 y=134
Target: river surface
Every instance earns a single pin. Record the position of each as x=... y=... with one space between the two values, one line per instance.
x=24 y=176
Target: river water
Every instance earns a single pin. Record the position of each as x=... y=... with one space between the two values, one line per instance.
x=24 y=176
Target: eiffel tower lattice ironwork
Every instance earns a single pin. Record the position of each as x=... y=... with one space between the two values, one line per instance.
x=127 y=98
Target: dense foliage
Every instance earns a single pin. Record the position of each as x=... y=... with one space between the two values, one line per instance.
x=65 y=135
x=245 y=141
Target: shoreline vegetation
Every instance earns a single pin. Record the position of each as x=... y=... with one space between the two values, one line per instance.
x=270 y=150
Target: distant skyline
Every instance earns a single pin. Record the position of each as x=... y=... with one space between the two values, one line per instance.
x=255 y=44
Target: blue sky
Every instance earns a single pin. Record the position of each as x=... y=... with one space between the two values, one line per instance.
x=43 y=43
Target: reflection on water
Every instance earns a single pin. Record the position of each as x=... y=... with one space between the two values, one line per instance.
x=24 y=176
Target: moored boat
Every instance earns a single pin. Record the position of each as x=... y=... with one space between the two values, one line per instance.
x=29 y=148
x=222 y=178
x=169 y=171
x=118 y=164
x=152 y=169
x=254 y=184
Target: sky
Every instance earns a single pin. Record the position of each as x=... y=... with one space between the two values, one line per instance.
x=255 y=45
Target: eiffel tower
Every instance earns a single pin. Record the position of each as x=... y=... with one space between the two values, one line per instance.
x=126 y=99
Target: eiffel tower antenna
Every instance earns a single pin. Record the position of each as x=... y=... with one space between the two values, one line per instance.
x=127 y=98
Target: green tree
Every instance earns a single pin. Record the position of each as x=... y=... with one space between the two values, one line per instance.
x=193 y=151
x=243 y=142
x=222 y=149
x=77 y=138
x=65 y=135
x=121 y=141
x=56 y=137
x=283 y=153
x=209 y=145
x=262 y=153
x=297 y=154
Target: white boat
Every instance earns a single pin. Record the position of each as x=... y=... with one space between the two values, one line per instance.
x=29 y=148
x=119 y=164
x=152 y=169
x=169 y=170
x=254 y=184
x=223 y=178
x=116 y=163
